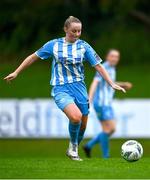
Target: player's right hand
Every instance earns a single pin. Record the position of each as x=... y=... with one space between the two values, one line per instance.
x=11 y=76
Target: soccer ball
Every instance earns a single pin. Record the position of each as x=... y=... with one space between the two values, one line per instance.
x=131 y=150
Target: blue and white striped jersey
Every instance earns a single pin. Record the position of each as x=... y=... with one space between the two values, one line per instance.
x=68 y=58
x=104 y=92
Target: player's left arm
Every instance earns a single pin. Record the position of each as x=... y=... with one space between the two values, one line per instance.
x=99 y=68
x=125 y=85
x=92 y=89
x=92 y=57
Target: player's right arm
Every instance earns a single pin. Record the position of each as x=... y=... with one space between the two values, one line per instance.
x=44 y=52
x=92 y=89
x=27 y=62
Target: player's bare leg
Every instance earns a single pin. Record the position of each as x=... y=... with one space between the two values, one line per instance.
x=82 y=128
x=74 y=115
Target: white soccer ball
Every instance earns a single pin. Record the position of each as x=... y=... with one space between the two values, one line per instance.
x=131 y=150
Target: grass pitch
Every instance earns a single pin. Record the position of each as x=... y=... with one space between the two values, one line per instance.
x=46 y=159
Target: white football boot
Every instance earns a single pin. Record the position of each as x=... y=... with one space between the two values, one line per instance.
x=72 y=152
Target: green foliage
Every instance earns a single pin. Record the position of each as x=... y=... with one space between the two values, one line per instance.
x=27 y=25
x=133 y=44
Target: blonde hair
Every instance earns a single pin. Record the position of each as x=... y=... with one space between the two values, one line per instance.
x=110 y=50
x=71 y=19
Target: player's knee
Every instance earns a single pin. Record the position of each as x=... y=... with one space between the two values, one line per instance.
x=76 y=118
x=109 y=130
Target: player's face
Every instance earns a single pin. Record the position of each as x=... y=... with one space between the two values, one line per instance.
x=73 y=32
x=113 y=57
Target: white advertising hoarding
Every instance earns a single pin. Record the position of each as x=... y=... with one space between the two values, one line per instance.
x=39 y=118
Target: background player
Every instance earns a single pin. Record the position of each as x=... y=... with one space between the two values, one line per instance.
x=102 y=96
x=67 y=77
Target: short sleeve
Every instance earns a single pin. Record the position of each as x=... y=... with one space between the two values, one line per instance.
x=46 y=50
x=98 y=77
x=91 y=56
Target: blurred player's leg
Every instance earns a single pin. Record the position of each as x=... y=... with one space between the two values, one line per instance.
x=103 y=139
x=88 y=147
x=108 y=127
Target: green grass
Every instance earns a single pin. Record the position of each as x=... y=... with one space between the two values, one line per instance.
x=34 y=81
x=64 y=168
x=46 y=159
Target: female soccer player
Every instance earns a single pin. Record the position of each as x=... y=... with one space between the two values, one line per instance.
x=102 y=96
x=69 y=90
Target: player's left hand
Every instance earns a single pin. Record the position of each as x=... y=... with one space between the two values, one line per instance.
x=117 y=87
